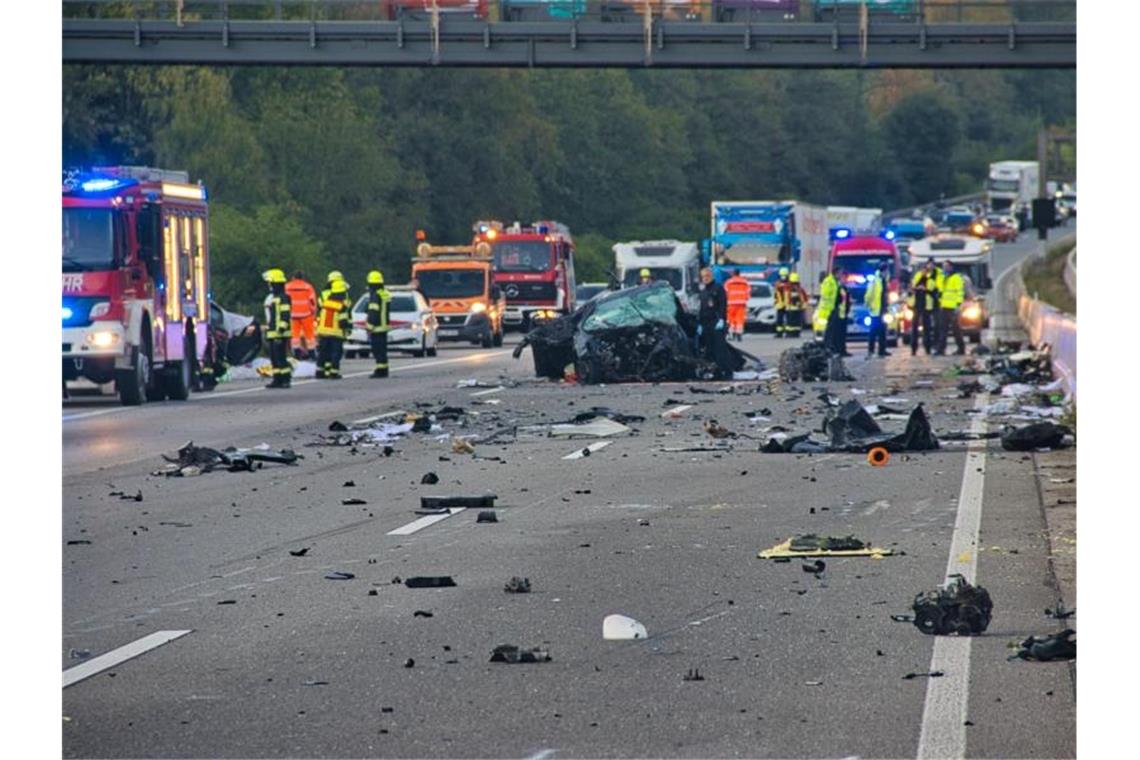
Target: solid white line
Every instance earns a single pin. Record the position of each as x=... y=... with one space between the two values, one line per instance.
x=676 y=411
x=424 y=522
x=472 y=358
x=116 y=656
x=487 y=392
x=947 y=698
x=577 y=454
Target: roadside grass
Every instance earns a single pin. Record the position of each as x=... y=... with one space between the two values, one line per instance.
x=1044 y=279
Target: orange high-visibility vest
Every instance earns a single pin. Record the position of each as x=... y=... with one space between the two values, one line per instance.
x=737 y=290
x=302 y=297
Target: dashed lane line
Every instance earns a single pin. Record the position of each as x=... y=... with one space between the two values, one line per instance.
x=423 y=522
x=109 y=660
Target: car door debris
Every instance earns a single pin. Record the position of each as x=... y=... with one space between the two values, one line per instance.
x=1048 y=647
x=512 y=654
x=956 y=608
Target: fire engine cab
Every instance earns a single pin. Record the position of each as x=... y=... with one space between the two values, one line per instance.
x=534 y=267
x=136 y=281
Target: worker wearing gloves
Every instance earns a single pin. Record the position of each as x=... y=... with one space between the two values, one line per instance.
x=875 y=299
x=736 y=290
x=711 y=323
x=378 y=298
x=922 y=299
x=783 y=286
x=333 y=325
x=278 y=328
x=303 y=305
x=644 y=277
x=952 y=292
x=795 y=302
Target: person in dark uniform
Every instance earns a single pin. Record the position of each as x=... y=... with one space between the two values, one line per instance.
x=278 y=328
x=378 y=298
x=923 y=301
x=711 y=322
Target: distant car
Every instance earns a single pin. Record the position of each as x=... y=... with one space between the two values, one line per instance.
x=588 y=290
x=413 y=326
x=761 y=307
x=1000 y=228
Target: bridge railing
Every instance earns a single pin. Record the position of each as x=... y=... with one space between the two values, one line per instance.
x=617 y=11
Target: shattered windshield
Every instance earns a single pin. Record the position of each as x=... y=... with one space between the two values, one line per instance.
x=531 y=256
x=88 y=239
x=671 y=276
x=451 y=283
x=632 y=308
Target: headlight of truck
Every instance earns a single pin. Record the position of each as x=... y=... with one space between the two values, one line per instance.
x=100 y=309
x=892 y=297
x=102 y=339
x=971 y=312
x=478 y=307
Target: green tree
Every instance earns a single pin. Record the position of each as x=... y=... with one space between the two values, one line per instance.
x=923 y=132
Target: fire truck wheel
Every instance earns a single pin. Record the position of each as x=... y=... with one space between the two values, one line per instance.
x=497 y=339
x=179 y=377
x=132 y=383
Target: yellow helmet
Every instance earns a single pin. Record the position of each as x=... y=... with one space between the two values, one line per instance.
x=375 y=277
x=273 y=276
x=335 y=275
x=795 y=277
x=338 y=286
x=783 y=272
x=644 y=273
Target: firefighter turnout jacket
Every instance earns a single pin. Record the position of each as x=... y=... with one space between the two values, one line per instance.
x=378 y=299
x=278 y=322
x=335 y=320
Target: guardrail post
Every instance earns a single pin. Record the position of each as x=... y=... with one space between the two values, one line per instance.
x=864 y=20
x=434 y=33
x=647 y=32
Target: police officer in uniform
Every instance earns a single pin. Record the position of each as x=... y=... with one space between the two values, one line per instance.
x=378 y=298
x=278 y=328
x=711 y=322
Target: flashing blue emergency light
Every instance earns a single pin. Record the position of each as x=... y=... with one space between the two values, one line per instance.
x=889 y=234
x=842 y=233
x=99 y=185
x=67 y=313
x=867 y=321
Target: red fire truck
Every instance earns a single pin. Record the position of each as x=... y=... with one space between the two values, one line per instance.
x=534 y=266
x=136 y=281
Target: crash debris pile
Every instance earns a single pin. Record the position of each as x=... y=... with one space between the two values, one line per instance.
x=812 y=361
x=191 y=460
x=640 y=334
x=851 y=428
x=1049 y=647
x=468 y=428
x=956 y=608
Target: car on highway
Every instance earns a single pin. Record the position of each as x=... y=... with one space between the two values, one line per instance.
x=1000 y=228
x=413 y=325
x=588 y=290
x=761 y=312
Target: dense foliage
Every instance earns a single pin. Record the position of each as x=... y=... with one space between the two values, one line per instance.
x=324 y=168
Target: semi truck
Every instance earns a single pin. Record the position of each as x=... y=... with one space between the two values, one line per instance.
x=136 y=281
x=1011 y=188
x=457 y=281
x=674 y=261
x=846 y=221
x=760 y=237
x=534 y=267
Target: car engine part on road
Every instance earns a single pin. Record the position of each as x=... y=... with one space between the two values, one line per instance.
x=955 y=608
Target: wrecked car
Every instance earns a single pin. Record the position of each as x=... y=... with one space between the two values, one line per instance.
x=640 y=334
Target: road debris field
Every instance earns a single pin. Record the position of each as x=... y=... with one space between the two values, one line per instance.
x=474 y=561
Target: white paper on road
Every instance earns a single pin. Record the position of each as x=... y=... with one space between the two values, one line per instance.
x=622 y=628
x=116 y=656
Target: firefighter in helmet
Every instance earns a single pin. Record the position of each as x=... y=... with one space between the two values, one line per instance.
x=278 y=328
x=378 y=298
x=644 y=277
x=333 y=325
x=795 y=302
x=783 y=289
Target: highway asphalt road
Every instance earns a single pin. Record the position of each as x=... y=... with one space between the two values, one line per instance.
x=282 y=661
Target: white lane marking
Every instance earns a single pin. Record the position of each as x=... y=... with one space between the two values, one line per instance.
x=487 y=392
x=373 y=418
x=424 y=522
x=116 y=656
x=578 y=454
x=676 y=411
x=543 y=755
x=473 y=358
x=947 y=698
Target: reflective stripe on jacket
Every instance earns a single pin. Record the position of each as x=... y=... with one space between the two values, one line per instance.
x=277 y=321
x=302 y=298
x=737 y=290
x=334 y=320
x=953 y=291
x=828 y=293
x=378 y=310
x=873 y=296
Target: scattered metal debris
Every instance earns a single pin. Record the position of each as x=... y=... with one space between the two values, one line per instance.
x=338 y=575
x=512 y=654
x=299 y=552
x=1045 y=648
x=487 y=516
x=955 y=608
x=429 y=478
x=430 y=581
x=1039 y=435
x=693 y=674
x=484 y=501
x=192 y=460
x=927 y=674
x=811 y=361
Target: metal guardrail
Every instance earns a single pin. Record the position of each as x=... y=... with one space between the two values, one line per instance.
x=681 y=33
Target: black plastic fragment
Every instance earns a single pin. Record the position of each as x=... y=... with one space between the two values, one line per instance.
x=512 y=654
x=487 y=516
x=517 y=585
x=430 y=581
x=486 y=501
x=338 y=575
x=429 y=478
